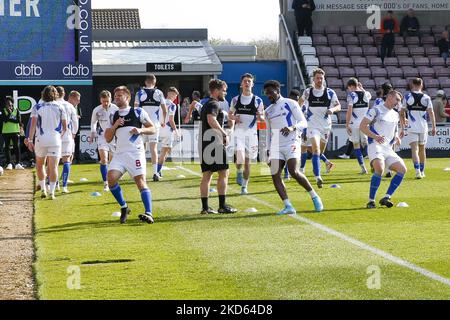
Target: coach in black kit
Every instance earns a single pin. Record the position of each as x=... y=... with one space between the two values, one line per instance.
x=213 y=141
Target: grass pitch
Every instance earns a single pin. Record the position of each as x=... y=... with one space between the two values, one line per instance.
x=246 y=255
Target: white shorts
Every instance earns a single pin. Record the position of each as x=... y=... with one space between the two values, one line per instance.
x=167 y=137
x=246 y=141
x=420 y=138
x=153 y=137
x=53 y=151
x=385 y=153
x=132 y=162
x=67 y=148
x=358 y=136
x=285 y=153
x=322 y=134
x=103 y=145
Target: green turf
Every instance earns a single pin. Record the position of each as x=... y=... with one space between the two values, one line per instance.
x=247 y=255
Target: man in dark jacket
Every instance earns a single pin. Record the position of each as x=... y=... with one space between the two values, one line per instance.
x=303 y=16
x=410 y=25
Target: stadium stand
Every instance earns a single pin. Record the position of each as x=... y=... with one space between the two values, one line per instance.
x=348 y=51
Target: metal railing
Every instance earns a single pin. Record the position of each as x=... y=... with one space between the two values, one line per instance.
x=294 y=63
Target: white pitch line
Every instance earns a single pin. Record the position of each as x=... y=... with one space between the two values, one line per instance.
x=357 y=243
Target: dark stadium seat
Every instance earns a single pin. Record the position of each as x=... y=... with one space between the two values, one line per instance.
x=319 y=40
x=421 y=61
x=365 y=39
x=348 y=30
x=335 y=40
x=444 y=82
x=342 y=61
x=323 y=51
x=417 y=51
x=412 y=41
x=327 y=61
x=394 y=71
x=430 y=82
x=410 y=72
x=362 y=29
x=370 y=51
x=350 y=40
x=355 y=51
x=391 y=61
x=432 y=51
x=334 y=82
x=425 y=71
x=339 y=51
x=405 y=61
x=332 y=29
x=442 y=72
x=374 y=62
x=346 y=72
x=331 y=72
x=368 y=83
x=363 y=72
x=428 y=40
x=378 y=72
x=401 y=51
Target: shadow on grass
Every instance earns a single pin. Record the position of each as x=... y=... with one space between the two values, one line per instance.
x=134 y=222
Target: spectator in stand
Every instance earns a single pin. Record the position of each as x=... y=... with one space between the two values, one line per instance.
x=444 y=45
x=389 y=26
x=410 y=25
x=439 y=104
x=303 y=16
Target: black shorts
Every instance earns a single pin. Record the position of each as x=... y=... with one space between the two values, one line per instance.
x=218 y=163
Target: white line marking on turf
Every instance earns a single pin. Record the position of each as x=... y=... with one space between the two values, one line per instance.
x=354 y=242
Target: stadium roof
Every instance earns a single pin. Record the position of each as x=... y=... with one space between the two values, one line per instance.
x=115 y=19
x=126 y=52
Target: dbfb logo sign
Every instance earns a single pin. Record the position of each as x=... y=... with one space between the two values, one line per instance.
x=80 y=70
x=25 y=70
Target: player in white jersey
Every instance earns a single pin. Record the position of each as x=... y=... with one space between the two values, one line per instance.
x=153 y=102
x=321 y=103
x=381 y=127
x=127 y=127
x=245 y=110
x=358 y=104
x=68 y=142
x=48 y=126
x=100 y=121
x=419 y=108
x=284 y=120
x=170 y=131
x=195 y=105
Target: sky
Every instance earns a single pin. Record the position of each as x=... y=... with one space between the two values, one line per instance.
x=238 y=20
